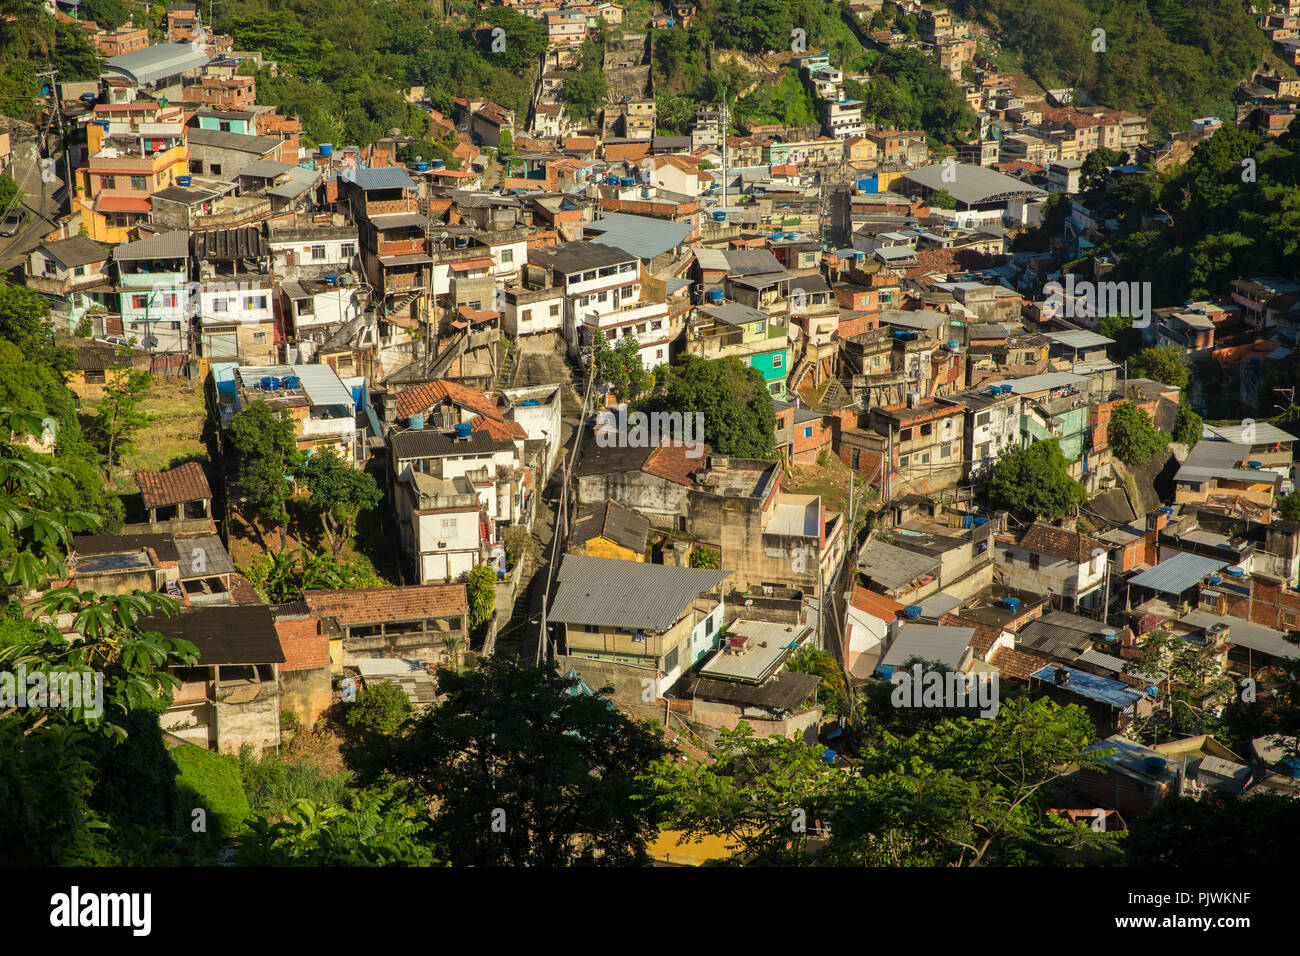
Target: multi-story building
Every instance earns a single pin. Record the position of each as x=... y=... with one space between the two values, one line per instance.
x=603 y=293
x=153 y=281
x=235 y=308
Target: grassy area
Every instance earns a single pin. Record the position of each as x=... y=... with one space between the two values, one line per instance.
x=173 y=436
x=213 y=782
x=831 y=481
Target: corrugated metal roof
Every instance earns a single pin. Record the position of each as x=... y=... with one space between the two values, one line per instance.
x=1244 y=633
x=1091 y=686
x=1175 y=575
x=643 y=236
x=893 y=567
x=156 y=62
x=1264 y=433
x=1040 y=383
x=629 y=595
x=972 y=184
x=1079 y=339
x=930 y=643
x=389 y=177
x=202 y=555
x=168 y=245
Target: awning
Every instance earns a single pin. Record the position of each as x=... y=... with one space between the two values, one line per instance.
x=122 y=204
x=465 y=265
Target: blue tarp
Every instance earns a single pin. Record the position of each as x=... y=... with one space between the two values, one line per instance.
x=1104 y=690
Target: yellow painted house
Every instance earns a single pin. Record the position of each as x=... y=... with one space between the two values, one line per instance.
x=132 y=156
x=610 y=531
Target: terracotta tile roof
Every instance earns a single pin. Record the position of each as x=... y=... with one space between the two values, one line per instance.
x=671 y=463
x=351 y=606
x=490 y=418
x=185 y=482
x=1059 y=543
x=1018 y=664
x=877 y=605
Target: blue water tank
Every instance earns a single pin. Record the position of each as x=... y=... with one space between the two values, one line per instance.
x=1214 y=580
x=292 y=382
x=1109 y=636
x=627 y=181
x=436 y=163
x=1011 y=604
x=327 y=149
x=463 y=429
x=530 y=403
x=266 y=382
x=1153 y=690
x=421 y=167
x=1255 y=465
x=913 y=612
x=277 y=383
x=719 y=216
x=715 y=295
x=1236 y=572
x=183 y=180
x=1154 y=764
x=829 y=756
x=884 y=671
x=331 y=277
x=415 y=421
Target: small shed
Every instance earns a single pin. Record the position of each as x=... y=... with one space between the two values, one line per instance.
x=180 y=488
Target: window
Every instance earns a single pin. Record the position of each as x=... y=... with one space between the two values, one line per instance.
x=760 y=328
x=904 y=461
x=507 y=256
x=857 y=458
x=306 y=307
x=95 y=378
x=196 y=167
x=347 y=250
x=109 y=182
x=139 y=301
x=317 y=253
x=139 y=182
x=927 y=430
x=925 y=458
x=555 y=311
x=219 y=305
x=78 y=270
x=982 y=418
x=945 y=452
x=255 y=302
x=214 y=169
x=670 y=660
x=526 y=315
x=778 y=360
x=259 y=338
x=1033 y=562
x=590 y=629
x=807 y=431
x=449 y=526
x=905 y=434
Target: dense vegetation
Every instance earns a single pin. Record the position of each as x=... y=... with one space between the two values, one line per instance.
x=1172 y=60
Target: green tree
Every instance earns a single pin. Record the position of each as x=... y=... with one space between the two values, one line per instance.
x=831 y=693
x=380 y=826
x=1092 y=175
x=968 y=792
x=1133 y=436
x=1160 y=363
x=267 y=454
x=942 y=199
x=620 y=367
x=739 y=418
x=1188 y=426
x=119 y=417
x=339 y=493
x=24 y=321
x=1035 y=482
x=11 y=193
x=1288 y=506
x=583 y=93
x=706 y=558
x=381 y=707
x=763 y=795
x=524 y=770
x=481 y=593
x=1217 y=830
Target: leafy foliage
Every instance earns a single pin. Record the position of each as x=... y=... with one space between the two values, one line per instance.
x=339 y=493
x=1133 y=436
x=1161 y=363
x=267 y=453
x=1035 y=482
x=211 y=782
x=481 y=592
x=118 y=416
x=620 y=367
x=706 y=558
x=1188 y=426
x=739 y=418
x=525 y=772
x=380 y=707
